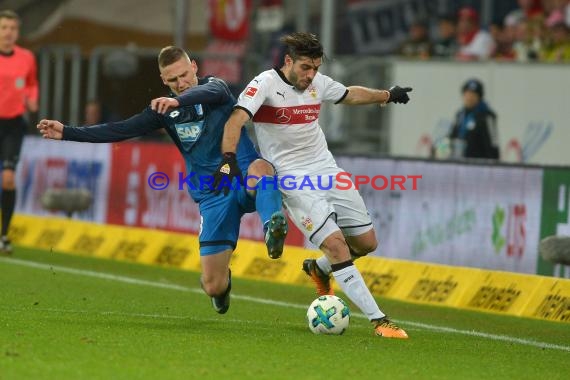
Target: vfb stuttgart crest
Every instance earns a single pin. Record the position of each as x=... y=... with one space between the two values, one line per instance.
x=312 y=91
x=307 y=223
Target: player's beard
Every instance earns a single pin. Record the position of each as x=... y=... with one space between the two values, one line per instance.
x=294 y=79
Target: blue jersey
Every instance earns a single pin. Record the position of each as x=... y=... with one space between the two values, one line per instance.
x=196 y=128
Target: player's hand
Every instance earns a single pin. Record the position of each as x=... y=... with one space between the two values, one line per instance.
x=399 y=94
x=162 y=105
x=50 y=129
x=225 y=173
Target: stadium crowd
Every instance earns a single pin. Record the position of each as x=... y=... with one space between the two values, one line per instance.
x=536 y=31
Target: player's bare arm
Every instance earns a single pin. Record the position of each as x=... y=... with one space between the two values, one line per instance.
x=232 y=130
x=50 y=129
x=363 y=95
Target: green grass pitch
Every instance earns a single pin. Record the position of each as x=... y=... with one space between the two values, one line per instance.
x=70 y=317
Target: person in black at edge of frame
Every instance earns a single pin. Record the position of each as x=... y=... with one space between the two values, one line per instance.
x=474 y=131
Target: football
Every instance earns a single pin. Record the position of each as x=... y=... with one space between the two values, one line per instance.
x=328 y=315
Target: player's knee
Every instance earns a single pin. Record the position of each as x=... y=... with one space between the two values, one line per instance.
x=364 y=248
x=260 y=168
x=371 y=247
x=336 y=248
x=363 y=244
x=214 y=285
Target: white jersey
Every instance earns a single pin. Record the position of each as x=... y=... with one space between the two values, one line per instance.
x=286 y=121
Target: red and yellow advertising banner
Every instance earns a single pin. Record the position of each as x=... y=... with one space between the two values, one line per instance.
x=440 y=285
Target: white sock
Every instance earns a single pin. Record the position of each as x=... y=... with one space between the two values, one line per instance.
x=353 y=285
x=324 y=264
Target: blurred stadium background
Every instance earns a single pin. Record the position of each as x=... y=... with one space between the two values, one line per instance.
x=107 y=51
x=97 y=62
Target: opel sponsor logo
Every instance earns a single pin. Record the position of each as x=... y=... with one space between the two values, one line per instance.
x=283 y=115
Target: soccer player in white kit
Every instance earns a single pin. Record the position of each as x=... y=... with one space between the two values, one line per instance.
x=284 y=105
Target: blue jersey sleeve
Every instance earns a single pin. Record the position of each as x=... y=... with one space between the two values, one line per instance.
x=215 y=91
x=138 y=125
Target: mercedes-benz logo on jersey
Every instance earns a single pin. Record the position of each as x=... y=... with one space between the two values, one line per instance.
x=283 y=115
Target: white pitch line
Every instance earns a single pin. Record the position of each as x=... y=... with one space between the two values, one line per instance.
x=480 y=334
x=141 y=315
x=136 y=281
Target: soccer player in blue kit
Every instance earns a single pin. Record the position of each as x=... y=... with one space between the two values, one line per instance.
x=197 y=130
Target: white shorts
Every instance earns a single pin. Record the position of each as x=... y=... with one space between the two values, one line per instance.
x=310 y=209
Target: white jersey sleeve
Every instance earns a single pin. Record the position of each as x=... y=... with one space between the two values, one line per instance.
x=254 y=95
x=333 y=91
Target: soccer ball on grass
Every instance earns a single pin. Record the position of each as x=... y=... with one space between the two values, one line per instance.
x=328 y=315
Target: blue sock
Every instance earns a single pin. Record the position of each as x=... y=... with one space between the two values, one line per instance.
x=268 y=199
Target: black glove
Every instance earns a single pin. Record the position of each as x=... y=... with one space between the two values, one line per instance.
x=399 y=94
x=225 y=173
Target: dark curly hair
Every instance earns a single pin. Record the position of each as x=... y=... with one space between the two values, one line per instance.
x=302 y=44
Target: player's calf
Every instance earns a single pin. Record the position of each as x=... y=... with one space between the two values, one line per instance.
x=220 y=301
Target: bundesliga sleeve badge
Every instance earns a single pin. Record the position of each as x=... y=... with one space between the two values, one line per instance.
x=250 y=92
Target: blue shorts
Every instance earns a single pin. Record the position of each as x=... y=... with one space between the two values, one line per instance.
x=220 y=218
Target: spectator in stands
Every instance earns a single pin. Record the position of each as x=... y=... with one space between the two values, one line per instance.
x=551 y=6
x=474 y=132
x=528 y=9
x=474 y=42
x=524 y=26
x=527 y=43
x=418 y=45
x=504 y=38
x=96 y=112
x=446 y=43
x=512 y=19
x=557 y=48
